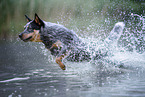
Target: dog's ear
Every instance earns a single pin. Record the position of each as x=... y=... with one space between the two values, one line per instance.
x=27 y=18
x=38 y=21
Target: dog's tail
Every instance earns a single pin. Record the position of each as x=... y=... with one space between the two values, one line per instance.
x=115 y=33
x=110 y=41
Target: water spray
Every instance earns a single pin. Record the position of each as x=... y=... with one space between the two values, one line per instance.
x=142 y=18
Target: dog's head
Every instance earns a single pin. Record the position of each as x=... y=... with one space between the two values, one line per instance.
x=32 y=29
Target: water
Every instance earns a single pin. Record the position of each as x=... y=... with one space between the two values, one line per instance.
x=28 y=70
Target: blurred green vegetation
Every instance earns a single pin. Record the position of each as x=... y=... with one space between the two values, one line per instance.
x=83 y=16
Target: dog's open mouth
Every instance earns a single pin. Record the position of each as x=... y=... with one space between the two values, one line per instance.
x=27 y=39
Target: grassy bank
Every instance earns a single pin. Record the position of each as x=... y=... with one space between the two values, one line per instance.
x=83 y=16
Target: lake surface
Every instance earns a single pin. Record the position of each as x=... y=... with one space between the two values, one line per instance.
x=28 y=70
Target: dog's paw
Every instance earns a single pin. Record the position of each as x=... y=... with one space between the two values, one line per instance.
x=63 y=67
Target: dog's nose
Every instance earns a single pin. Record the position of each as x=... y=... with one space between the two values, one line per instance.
x=20 y=35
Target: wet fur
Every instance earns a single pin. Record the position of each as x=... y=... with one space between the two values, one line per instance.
x=62 y=42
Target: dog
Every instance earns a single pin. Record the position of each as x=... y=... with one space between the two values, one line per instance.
x=59 y=40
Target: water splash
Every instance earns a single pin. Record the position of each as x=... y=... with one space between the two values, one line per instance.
x=125 y=44
x=124 y=41
x=133 y=38
x=129 y=48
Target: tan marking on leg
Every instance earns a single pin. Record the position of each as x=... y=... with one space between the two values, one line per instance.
x=57 y=44
x=58 y=61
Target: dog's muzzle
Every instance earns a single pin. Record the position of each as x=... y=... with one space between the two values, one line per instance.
x=25 y=40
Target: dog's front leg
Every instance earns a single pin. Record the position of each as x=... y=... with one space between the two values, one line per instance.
x=59 y=62
x=63 y=52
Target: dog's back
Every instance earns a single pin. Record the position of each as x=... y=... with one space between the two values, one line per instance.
x=52 y=32
x=58 y=32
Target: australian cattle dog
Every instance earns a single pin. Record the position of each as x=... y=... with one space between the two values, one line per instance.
x=59 y=40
